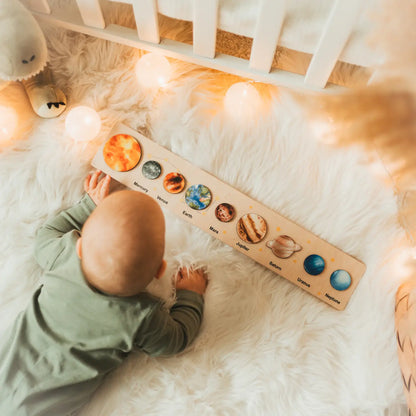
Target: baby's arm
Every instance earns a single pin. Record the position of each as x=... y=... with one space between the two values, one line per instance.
x=170 y=332
x=48 y=241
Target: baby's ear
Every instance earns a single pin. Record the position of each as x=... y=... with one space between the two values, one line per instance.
x=161 y=270
x=78 y=248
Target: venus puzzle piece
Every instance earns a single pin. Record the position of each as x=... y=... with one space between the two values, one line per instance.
x=281 y=245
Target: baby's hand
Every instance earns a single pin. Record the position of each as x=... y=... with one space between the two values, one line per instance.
x=190 y=279
x=97 y=189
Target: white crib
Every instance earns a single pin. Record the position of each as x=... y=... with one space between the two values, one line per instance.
x=333 y=43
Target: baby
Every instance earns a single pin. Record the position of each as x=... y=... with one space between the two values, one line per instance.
x=91 y=310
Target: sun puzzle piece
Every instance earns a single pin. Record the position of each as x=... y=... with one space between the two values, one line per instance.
x=122 y=152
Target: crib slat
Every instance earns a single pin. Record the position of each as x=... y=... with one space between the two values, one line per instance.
x=91 y=13
x=179 y=50
x=332 y=42
x=205 y=27
x=41 y=6
x=145 y=14
x=266 y=35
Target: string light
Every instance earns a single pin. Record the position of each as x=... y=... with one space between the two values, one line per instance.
x=82 y=123
x=242 y=100
x=8 y=123
x=153 y=71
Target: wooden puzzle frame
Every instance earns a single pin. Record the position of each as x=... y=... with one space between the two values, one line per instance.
x=292 y=268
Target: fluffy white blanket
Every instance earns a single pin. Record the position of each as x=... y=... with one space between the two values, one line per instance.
x=266 y=347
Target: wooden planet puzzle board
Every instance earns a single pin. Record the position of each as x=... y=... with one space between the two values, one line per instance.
x=230 y=216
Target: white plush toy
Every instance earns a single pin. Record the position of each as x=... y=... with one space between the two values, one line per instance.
x=23 y=57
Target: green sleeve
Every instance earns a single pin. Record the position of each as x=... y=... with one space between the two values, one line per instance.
x=49 y=243
x=167 y=333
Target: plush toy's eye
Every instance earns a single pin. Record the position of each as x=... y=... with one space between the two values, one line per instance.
x=31 y=59
x=57 y=104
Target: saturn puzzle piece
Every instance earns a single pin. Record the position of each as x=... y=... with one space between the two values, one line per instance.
x=283 y=246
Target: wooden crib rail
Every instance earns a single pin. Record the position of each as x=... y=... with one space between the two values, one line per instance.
x=88 y=18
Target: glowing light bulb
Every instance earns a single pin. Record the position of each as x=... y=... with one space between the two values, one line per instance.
x=242 y=100
x=8 y=123
x=153 y=71
x=82 y=123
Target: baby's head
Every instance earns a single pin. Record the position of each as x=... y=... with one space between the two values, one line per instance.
x=122 y=244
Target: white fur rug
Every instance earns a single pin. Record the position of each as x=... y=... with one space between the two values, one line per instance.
x=266 y=347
